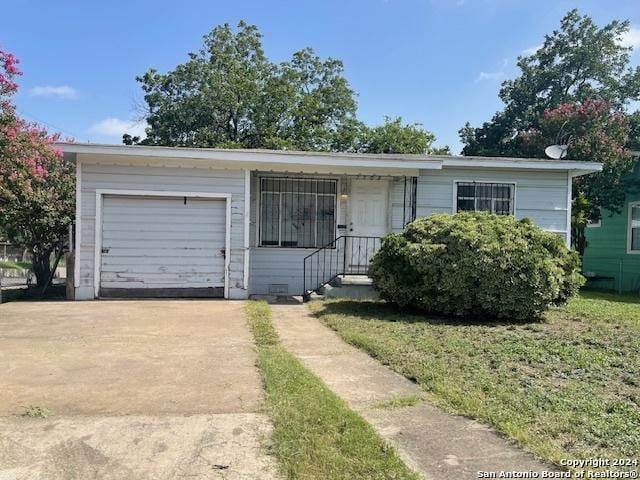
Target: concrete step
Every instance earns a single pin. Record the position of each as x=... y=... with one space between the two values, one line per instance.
x=350 y=291
x=353 y=280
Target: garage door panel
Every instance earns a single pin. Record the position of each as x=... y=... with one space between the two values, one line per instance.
x=155 y=261
x=152 y=229
x=198 y=268
x=156 y=244
x=159 y=253
x=172 y=280
x=161 y=242
x=127 y=235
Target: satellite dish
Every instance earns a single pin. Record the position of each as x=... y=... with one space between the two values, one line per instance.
x=556 y=151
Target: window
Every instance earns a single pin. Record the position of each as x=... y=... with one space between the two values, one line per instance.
x=487 y=197
x=297 y=212
x=634 y=227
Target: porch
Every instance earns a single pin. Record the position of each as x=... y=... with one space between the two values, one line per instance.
x=308 y=229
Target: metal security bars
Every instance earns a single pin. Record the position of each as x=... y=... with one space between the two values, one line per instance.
x=346 y=255
x=487 y=197
x=297 y=212
x=409 y=199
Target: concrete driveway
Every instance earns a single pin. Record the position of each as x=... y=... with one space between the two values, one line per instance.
x=136 y=389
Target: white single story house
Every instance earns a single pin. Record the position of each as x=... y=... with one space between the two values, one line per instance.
x=161 y=221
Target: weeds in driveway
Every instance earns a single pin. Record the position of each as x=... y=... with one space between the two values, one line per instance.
x=565 y=387
x=316 y=435
x=35 y=411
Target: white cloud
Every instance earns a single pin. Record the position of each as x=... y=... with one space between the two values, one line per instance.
x=115 y=127
x=489 y=76
x=531 y=50
x=62 y=91
x=496 y=75
x=631 y=38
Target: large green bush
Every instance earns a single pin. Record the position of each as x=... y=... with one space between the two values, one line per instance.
x=476 y=264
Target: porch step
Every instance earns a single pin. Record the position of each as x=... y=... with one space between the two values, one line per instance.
x=350 y=291
x=343 y=280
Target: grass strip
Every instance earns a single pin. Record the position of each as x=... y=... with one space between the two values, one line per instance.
x=316 y=435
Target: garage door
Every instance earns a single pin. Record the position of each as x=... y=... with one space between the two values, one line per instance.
x=162 y=247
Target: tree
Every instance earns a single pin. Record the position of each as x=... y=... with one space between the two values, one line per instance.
x=391 y=137
x=577 y=62
x=229 y=94
x=37 y=188
x=597 y=132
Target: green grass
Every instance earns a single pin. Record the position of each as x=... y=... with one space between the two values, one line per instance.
x=316 y=435
x=565 y=387
x=15 y=265
x=607 y=307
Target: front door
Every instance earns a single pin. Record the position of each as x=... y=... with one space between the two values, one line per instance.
x=367 y=223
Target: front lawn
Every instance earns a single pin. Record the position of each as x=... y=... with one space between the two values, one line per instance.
x=566 y=387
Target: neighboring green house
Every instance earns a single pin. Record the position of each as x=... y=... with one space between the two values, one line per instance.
x=612 y=256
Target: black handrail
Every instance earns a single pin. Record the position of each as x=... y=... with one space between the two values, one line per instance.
x=346 y=255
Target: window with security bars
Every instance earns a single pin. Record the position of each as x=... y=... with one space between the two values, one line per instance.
x=297 y=212
x=486 y=197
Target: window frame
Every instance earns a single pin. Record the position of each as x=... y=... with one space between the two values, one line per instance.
x=513 y=183
x=630 y=207
x=259 y=201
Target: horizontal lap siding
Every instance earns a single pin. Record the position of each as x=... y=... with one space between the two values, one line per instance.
x=127 y=177
x=606 y=252
x=540 y=195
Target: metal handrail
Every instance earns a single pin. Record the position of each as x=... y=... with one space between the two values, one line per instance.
x=357 y=251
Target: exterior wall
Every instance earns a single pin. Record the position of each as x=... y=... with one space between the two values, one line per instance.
x=120 y=176
x=280 y=270
x=541 y=196
x=606 y=251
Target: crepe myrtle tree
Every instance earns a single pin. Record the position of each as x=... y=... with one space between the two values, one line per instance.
x=37 y=187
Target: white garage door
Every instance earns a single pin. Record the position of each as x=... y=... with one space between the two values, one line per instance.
x=162 y=247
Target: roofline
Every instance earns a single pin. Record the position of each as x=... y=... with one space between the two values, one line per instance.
x=260 y=156
x=385 y=160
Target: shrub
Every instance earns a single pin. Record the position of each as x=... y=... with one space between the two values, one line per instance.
x=476 y=264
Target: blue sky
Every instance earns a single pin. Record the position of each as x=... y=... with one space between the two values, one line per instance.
x=436 y=62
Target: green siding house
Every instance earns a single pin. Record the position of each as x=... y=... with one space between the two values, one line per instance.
x=612 y=256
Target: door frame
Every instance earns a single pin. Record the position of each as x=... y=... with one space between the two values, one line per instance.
x=100 y=193
x=387 y=215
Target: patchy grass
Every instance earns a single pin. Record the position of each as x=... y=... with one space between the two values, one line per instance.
x=316 y=435
x=15 y=265
x=607 y=307
x=565 y=387
x=400 y=402
x=35 y=411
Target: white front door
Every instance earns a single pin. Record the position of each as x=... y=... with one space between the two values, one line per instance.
x=369 y=204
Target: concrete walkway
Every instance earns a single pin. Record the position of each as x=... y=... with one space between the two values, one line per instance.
x=435 y=443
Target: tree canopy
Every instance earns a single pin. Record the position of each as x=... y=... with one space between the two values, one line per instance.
x=598 y=132
x=230 y=95
x=577 y=62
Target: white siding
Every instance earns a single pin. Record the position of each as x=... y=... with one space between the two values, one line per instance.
x=127 y=177
x=540 y=195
